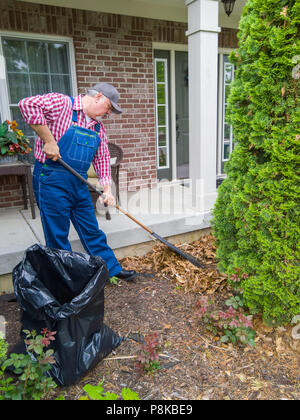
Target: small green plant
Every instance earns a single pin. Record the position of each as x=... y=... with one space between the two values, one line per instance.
x=237 y=327
x=235 y=301
x=114 y=280
x=148 y=360
x=97 y=393
x=232 y=324
x=33 y=382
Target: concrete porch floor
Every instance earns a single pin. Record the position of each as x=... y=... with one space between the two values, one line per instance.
x=168 y=210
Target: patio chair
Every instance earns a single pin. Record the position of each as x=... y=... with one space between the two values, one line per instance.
x=116 y=157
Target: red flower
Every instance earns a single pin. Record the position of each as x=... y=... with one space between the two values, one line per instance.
x=222 y=315
x=230 y=312
x=48 y=336
x=246 y=321
x=234 y=323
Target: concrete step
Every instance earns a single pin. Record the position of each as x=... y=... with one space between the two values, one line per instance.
x=167 y=211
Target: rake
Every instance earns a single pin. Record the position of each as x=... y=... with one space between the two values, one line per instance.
x=178 y=251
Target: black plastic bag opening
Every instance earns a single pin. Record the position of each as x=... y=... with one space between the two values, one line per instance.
x=64 y=292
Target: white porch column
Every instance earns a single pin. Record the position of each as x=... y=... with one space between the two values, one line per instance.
x=203 y=64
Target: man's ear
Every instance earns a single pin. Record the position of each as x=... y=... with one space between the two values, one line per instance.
x=98 y=96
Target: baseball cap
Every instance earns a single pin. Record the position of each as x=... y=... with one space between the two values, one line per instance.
x=111 y=93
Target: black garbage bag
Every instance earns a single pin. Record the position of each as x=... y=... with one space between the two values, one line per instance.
x=64 y=292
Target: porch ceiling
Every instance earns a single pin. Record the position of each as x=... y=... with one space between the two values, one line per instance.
x=173 y=10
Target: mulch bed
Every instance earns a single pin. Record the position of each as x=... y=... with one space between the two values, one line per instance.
x=194 y=365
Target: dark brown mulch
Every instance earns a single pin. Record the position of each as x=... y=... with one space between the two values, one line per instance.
x=194 y=365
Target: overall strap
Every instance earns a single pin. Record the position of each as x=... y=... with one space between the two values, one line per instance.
x=74 y=116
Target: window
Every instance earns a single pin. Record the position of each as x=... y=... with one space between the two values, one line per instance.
x=32 y=67
x=226 y=139
x=162 y=112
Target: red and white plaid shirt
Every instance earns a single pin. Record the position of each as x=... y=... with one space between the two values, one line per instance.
x=55 y=110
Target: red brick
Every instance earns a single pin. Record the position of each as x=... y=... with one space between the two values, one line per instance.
x=18 y=203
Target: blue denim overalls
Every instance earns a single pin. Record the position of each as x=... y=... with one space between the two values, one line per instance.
x=62 y=197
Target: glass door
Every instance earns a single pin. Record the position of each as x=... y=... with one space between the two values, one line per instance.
x=182 y=114
x=162 y=111
x=226 y=137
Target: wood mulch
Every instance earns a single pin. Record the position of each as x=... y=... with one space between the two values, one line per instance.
x=194 y=364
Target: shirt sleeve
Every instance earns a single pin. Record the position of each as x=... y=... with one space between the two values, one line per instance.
x=42 y=109
x=101 y=160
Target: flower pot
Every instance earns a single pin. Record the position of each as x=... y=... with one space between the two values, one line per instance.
x=6 y=159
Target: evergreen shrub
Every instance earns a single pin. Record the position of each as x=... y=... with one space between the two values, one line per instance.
x=256 y=215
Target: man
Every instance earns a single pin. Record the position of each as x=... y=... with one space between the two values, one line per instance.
x=71 y=128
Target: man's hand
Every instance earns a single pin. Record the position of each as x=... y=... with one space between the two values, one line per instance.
x=50 y=148
x=109 y=198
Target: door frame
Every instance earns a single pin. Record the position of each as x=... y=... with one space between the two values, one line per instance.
x=221 y=53
x=172 y=104
x=163 y=172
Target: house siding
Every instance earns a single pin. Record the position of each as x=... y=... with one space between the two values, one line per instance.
x=115 y=49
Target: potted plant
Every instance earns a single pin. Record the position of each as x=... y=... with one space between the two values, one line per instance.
x=12 y=142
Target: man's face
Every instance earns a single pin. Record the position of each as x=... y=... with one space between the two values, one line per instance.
x=98 y=107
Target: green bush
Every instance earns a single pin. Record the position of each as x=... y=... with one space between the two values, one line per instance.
x=256 y=215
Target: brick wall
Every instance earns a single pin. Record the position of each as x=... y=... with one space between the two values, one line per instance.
x=228 y=38
x=116 y=49
x=11 y=194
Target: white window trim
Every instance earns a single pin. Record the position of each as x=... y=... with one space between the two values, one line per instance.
x=221 y=116
x=4 y=97
x=172 y=48
x=167 y=166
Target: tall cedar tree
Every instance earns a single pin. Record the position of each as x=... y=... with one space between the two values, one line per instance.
x=256 y=215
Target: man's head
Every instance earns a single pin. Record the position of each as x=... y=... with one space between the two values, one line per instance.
x=101 y=100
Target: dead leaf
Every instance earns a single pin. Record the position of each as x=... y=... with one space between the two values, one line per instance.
x=279 y=345
x=168 y=264
x=242 y=377
x=167 y=326
x=284 y=11
x=208 y=354
x=257 y=385
x=125 y=369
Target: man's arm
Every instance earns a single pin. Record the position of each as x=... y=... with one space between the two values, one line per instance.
x=102 y=167
x=109 y=198
x=39 y=112
x=50 y=146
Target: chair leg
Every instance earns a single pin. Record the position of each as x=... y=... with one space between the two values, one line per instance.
x=117 y=187
x=107 y=214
